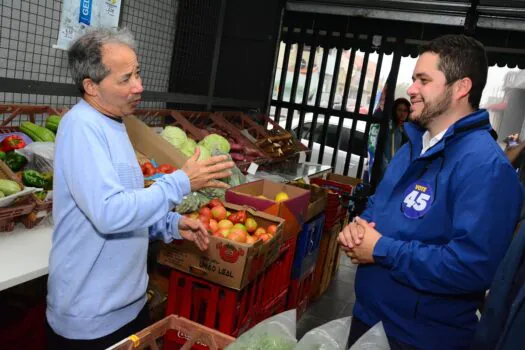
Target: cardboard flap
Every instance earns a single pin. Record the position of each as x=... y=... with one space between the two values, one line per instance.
x=146 y=141
x=251 y=201
x=347 y=180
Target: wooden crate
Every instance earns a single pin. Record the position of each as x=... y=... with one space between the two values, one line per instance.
x=331 y=260
x=155 y=118
x=325 y=262
x=268 y=136
x=22 y=206
x=11 y=116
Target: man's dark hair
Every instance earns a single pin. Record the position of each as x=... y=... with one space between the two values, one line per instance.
x=461 y=56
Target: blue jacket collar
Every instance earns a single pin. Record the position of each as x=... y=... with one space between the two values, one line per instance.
x=478 y=120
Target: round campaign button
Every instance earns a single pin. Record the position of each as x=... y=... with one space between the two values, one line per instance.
x=418 y=198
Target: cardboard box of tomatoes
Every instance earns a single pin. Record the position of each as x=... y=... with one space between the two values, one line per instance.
x=243 y=242
x=285 y=201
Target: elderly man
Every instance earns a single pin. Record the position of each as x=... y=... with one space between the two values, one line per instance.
x=104 y=217
x=444 y=213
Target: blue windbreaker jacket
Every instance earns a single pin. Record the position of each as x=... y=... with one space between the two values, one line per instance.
x=447 y=219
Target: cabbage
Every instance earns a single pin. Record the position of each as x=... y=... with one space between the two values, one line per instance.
x=176 y=136
x=205 y=153
x=215 y=142
x=188 y=148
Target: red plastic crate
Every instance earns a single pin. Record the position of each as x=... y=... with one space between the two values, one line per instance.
x=277 y=306
x=277 y=277
x=299 y=294
x=227 y=310
x=200 y=336
x=337 y=205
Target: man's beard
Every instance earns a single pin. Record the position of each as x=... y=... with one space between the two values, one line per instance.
x=431 y=111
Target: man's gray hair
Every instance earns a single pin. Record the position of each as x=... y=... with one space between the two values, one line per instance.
x=85 y=54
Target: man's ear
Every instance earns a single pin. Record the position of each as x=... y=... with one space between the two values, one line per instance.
x=463 y=88
x=90 y=87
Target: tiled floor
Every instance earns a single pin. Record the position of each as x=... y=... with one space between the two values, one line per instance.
x=337 y=301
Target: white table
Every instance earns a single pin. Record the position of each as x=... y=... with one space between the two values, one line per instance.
x=24 y=254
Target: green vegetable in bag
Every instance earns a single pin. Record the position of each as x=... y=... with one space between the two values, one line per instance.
x=15 y=161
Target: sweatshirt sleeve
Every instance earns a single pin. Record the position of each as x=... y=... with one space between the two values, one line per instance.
x=166 y=229
x=95 y=184
x=485 y=212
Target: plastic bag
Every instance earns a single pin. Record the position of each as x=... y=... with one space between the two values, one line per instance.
x=330 y=336
x=274 y=333
x=40 y=156
x=8 y=200
x=374 y=339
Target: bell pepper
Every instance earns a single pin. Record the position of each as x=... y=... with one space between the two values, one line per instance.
x=48 y=177
x=2 y=155
x=15 y=161
x=41 y=195
x=12 y=142
x=33 y=178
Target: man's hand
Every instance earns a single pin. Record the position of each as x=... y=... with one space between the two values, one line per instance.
x=364 y=252
x=205 y=173
x=352 y=235
x=194 y=231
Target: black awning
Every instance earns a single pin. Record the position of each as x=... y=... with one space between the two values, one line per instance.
x=504 y=46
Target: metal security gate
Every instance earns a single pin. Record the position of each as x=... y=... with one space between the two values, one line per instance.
x=329 y=96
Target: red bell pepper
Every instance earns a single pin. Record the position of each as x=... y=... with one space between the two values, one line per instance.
x=12 y=142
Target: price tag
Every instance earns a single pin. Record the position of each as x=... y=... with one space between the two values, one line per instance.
x=252 y=169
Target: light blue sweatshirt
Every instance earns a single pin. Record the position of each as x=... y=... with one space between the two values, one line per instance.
x=104 y=218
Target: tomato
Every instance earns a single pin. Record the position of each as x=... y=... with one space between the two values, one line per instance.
x=241 y=216
x=215 y=202
x=149 y=171
x=166 y=169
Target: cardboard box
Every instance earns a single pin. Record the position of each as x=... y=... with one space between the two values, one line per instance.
x=293 y=210
x=318 y=199
x=150 y=144
x=227 y=263
x=347 y=180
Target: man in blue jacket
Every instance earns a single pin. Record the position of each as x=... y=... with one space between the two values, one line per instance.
x=432 y=236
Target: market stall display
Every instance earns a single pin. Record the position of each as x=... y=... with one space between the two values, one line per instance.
x=27 y=133
x=272 y=245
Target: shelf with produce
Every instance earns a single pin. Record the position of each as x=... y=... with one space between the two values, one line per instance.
x=268 y=136
x=155 y=118
x=21 y=126
x=13 y=116
x=188 y=121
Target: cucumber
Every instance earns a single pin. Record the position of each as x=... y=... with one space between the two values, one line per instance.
x=9 y=187
x=37 y=133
